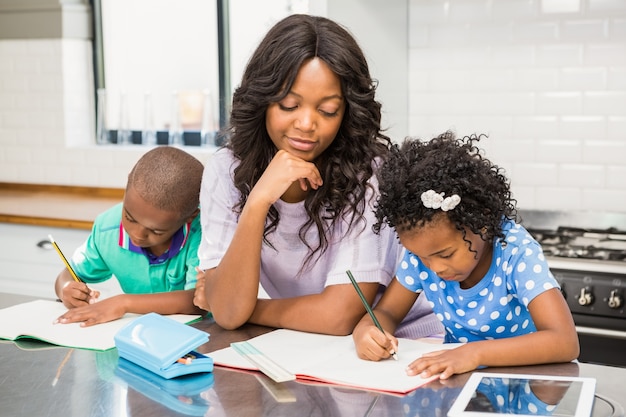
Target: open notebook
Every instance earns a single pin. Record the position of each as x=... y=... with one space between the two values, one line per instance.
x=320 y=358
x=34 y=320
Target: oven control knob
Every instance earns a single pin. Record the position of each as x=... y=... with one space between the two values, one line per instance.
x=586 y=297
x=615 y=299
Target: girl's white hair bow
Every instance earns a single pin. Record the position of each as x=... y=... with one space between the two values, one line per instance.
x=434 y=200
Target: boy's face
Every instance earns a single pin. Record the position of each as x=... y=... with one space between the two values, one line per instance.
x=148 y=226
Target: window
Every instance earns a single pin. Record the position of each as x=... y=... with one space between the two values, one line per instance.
x=163 y=69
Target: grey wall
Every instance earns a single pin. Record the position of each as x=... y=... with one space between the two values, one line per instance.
x=45 y=19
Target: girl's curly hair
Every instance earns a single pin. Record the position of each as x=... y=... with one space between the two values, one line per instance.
x=347 y=163
x=452 y=166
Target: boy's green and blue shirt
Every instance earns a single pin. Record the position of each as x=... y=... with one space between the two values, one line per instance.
x=108 y=252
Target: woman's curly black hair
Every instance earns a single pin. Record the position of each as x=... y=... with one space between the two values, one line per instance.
x=347 y=163
x=452 y=166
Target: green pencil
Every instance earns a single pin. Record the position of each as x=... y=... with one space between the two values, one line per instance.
x=368 y=308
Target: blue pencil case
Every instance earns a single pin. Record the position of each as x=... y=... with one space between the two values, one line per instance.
x=156 y=343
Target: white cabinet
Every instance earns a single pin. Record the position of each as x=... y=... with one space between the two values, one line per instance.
x=29 y=264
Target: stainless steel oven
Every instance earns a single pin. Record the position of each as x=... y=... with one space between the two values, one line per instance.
x=586 y=252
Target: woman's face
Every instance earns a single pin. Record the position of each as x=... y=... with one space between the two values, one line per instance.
x=306 y=121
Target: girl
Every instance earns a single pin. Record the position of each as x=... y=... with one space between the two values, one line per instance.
x=484 y=275
x=289 y=202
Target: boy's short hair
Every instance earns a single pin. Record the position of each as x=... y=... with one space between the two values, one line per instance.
x=169 y=179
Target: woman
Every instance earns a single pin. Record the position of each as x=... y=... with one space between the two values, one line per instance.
x=289 y=202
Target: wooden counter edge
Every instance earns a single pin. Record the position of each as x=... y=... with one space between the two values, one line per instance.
x=98 y=192
x=89 y=192
x=46 y=221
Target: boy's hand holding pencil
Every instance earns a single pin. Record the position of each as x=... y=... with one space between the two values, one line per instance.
x=76 y=294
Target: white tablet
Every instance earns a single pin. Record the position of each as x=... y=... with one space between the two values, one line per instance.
x=497 y=394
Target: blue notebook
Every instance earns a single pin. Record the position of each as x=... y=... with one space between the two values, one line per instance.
x=157 y=343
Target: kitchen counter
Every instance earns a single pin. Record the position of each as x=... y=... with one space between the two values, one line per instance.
x=40 y=379
x=55 y=206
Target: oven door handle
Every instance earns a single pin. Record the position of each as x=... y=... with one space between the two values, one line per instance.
x=592 y=331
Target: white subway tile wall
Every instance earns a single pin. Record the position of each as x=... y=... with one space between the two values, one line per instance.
x=47 y=118
x=545 y=79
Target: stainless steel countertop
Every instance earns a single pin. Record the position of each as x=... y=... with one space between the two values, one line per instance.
x=37 y=379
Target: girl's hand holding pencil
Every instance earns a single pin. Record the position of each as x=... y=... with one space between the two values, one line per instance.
x=374 y=345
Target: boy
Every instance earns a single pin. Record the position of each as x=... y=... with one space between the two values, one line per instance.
x=149 y=242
